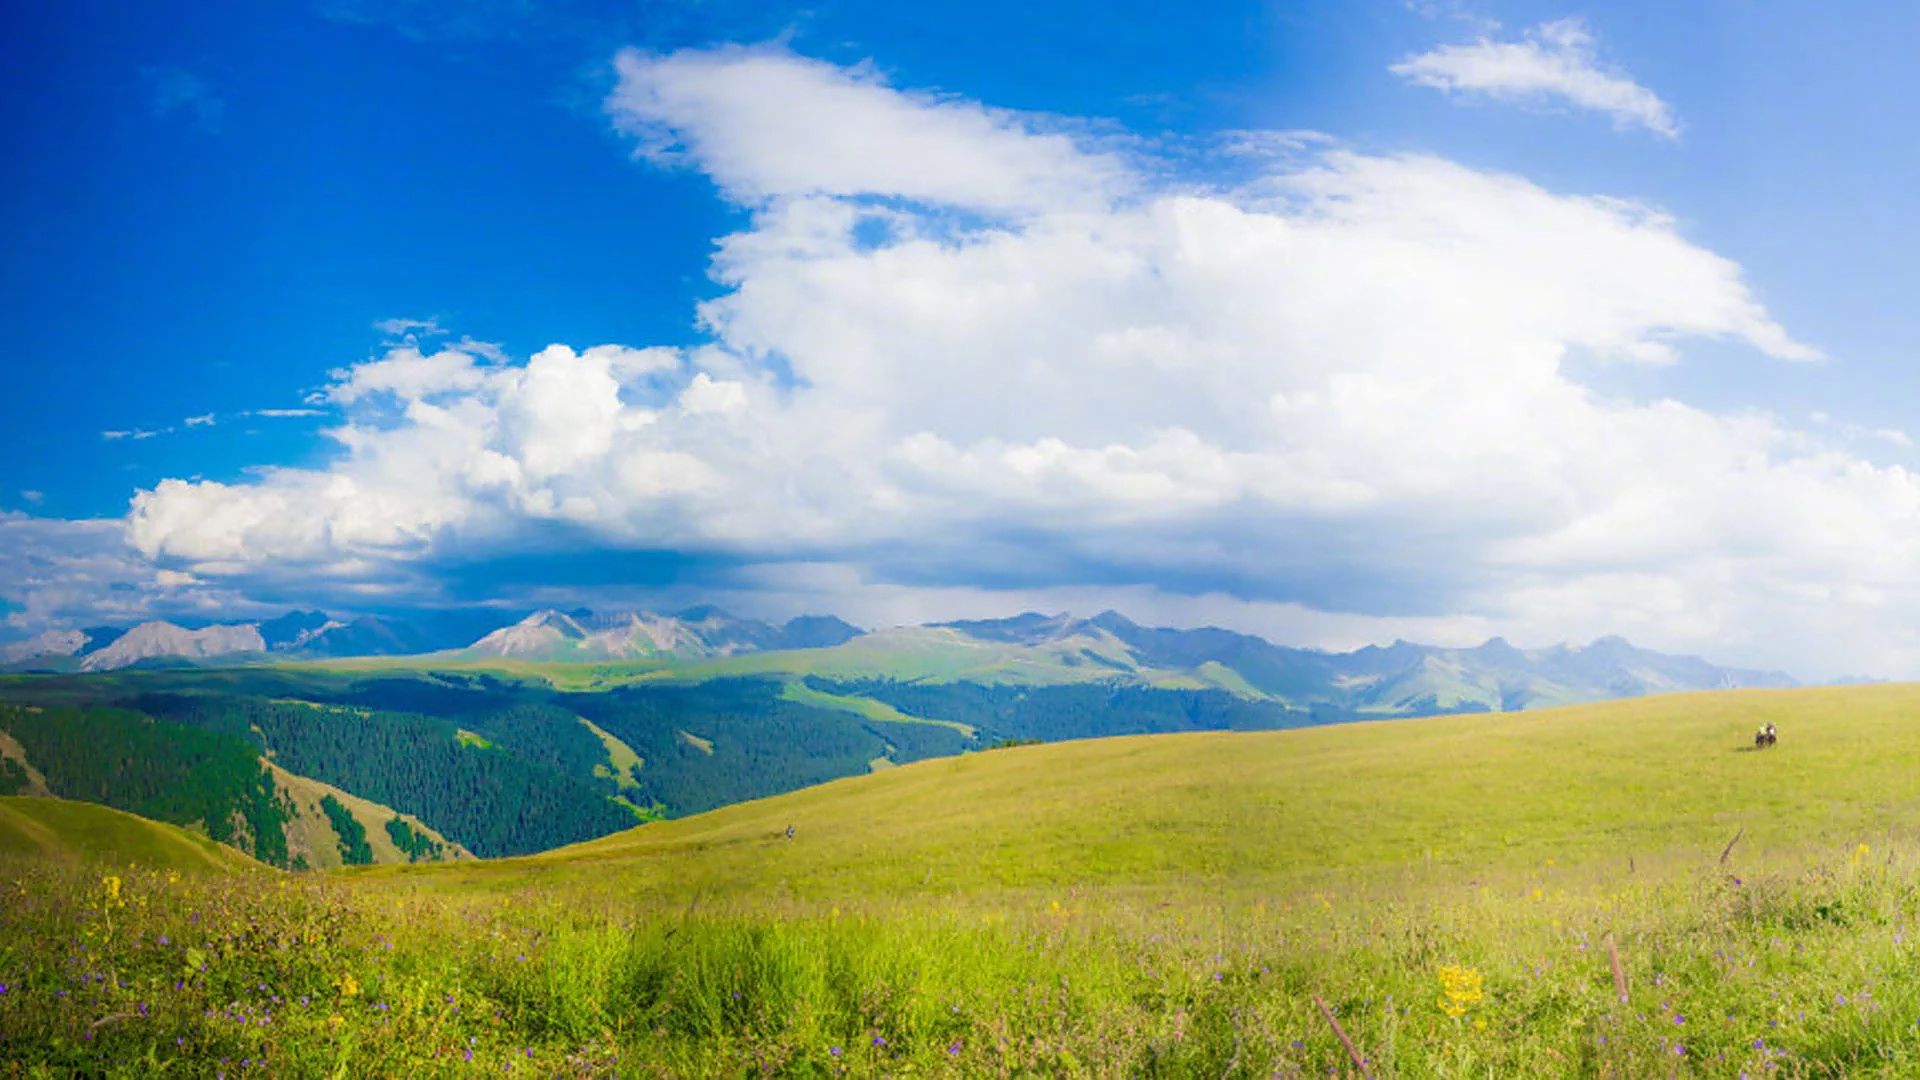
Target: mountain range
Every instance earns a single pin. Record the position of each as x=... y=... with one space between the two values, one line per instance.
x=1402 y=678
x=580 y=635
x=1398 y=679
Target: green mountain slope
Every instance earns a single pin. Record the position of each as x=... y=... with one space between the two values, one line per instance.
x=1592 y=784
x=214 y=782
x=64 y=831
x=507 y=756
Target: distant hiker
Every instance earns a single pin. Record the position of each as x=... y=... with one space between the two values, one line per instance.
x=789 y=832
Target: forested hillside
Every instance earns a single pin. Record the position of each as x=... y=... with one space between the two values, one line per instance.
x=709 y=744
x=168 y=772
x=1073 y=711
x=490 y=801
x=505 y=766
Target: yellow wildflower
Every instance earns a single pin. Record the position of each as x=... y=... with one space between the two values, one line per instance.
x=349 y=986
x=1460 y=988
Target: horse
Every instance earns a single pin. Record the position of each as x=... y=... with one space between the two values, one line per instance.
x=1763 y=739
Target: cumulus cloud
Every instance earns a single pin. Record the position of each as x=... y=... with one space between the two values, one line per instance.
x=765 y=124
x=1556 y=62
x=1343 y=390
x=56 y=572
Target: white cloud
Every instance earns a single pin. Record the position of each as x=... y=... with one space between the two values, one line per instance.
x=1556 y=62
x=57 y=573
x=33 y=496
x=1342 y=391
x=276 y=414
x=400 y=328
x=174 y=579
x=766 y=124
x=408 y=374
x=203 y=420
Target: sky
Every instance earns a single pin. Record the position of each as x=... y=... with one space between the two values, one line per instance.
x=1334 y=322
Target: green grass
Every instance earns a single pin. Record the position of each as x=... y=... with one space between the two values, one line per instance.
x=1349 y=805
x=865 y=708
x=58 y=830
x=1163 y=905
x=622 y=762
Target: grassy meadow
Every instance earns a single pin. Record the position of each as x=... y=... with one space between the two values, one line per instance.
x=1454 y=890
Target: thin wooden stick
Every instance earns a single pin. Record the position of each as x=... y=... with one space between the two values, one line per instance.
x=1352 y=1054
x=1619 y=973
x=111 y=1018
x=1728 y=850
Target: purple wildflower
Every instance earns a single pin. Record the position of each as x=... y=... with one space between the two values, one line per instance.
x=879 y=1040
x=834 y=1050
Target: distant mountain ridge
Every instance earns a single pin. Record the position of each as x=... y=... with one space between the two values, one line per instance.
x=1397 y=679
x=295 y=635
x=1402 y=678
x=580 y=635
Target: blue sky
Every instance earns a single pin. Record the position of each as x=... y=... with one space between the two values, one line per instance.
x=234 y=231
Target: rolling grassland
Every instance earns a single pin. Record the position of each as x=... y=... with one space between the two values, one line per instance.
x=1624 y=889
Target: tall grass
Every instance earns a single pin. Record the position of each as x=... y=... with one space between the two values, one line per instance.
x=1810 y=972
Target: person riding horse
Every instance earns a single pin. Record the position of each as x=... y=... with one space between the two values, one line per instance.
x=1765 y=737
